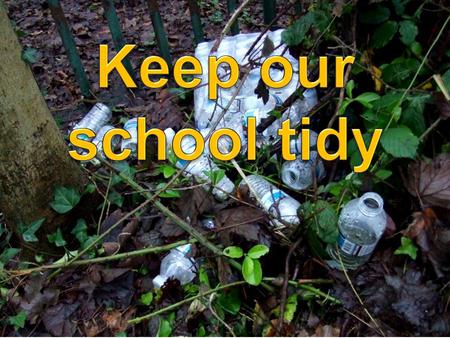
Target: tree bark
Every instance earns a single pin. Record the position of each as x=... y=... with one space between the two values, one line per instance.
x=34 y=158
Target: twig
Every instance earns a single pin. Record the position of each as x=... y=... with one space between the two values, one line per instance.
x=285 y=285
x=357 y=295
x=124 y=255
x=211 y=299
x=230 y=23
x=184 y=301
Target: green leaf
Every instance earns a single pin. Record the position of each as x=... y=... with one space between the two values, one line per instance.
x=416 y=48
x=126 y=170
x=367 y=98
x=167 y=171
x=408 y=31
x=168 y=193
x=90 y=188
x=375 y=15
x=18 y=321
x=115 y=198
x=233 y=252
x=251 y=270
x=400 y=142
x=215 y=176
x=30 y=55
x=399 y=6
x=296 y=33
x=29 y=234
x=8 y=254
x=146 y=298
x=258 y=251
x=322 y=218
x=80 y=231
x=65 y=199
x=407 y=248
x=57 y=238
x=413 y=116
x=399 y=71
x=349 y=88
x=230 y=301
x=165 y=328
x=383 y=34
x=383 y=174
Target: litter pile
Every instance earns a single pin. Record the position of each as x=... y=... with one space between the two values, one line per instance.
x=362 y=221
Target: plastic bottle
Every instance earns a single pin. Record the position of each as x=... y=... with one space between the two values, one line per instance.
x=131 y=143
x=176 y=265
x=361 y=224
x=97 y=117
x=200 y=167
x=298 y=174
x=98 y=140
x=276 y=202
x=296 y=143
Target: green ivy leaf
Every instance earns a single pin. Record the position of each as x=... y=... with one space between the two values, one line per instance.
x=400 y=142
x=375 y=15
x=408 y=31
x=383 y=34
x=18 y=321
x=233 y=252
x=167 y=171
x=407 y=248
x=168 y=193
x=251 y=270
x=215 y=176
x=349 y=88
x=65 y=199
x=146 y=298
x=115 y=198
x=230 y=301
x=258 y=251
x=322 y=218
x=8 y=254
x=29 y=234
x=296 y=33
x=57 y=238
x=80 y=231
x=165 y=328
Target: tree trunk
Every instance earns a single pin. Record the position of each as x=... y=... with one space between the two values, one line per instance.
x=34 y=158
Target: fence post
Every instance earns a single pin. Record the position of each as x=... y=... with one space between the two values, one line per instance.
x=160 y=33
x=70 y=46
x=270 y=11
x=116 y=33
x=194 y=9
x=231 y=6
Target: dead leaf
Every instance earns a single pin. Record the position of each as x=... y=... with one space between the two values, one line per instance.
x=432 y=233
x=430 y=181
x=58 y=319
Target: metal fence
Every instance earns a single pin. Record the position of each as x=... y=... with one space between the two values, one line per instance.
x=158 y=27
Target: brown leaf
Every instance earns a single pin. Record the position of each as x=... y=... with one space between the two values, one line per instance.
x=431 y=230
x=117 y=321
x=58 y=319
x=327 y=331
x=338 y=7
x=430 y=181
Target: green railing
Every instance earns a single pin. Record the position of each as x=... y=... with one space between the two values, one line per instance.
x=158 y=27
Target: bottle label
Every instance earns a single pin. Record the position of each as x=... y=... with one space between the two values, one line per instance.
x=272 y=197
x=354 y=249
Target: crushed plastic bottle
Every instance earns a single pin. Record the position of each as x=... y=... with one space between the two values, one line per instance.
x=98 y=140
x=131 y=143
x=246 y=103
x=176 y=264
x=361 y=224
x=276 y=202
x=298 y=174
x=296 y=143
x=96 y=118
x=200 y=167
